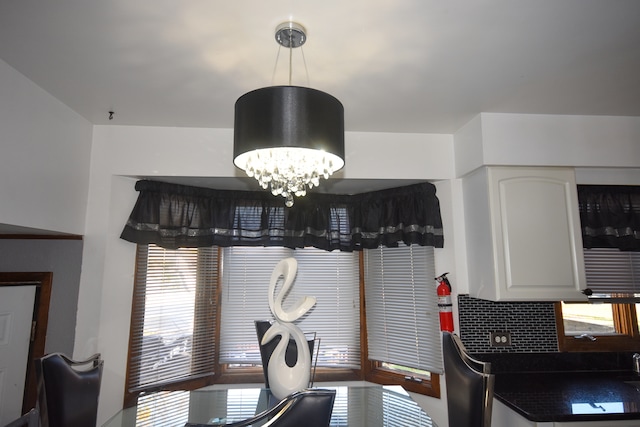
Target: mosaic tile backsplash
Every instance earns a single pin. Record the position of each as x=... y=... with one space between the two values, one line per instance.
x=532 y=325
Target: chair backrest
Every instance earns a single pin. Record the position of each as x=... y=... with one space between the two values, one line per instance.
x=308 y=408
x=68 y=390
x=469 y=385
x=30 y=419
x=291 y=354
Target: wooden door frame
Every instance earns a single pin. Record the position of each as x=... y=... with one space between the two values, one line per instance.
x=42 y=281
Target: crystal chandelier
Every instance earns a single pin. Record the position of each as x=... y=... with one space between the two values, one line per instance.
x=288 y=137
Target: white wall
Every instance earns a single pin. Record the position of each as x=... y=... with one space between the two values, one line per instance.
x=608 y=176
x=63 y=258
x=583 y=141
x=469 y=146
x=44 y=158
x=548 y=140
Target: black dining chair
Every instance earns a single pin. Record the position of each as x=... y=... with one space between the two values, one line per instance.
x=469 y=385
x=291 y=354
x=308 y=408
x=68 y=390
x=30 y=419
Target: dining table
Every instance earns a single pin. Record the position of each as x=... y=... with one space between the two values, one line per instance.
x=355 y=406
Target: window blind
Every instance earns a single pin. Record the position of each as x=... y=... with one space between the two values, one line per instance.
x=401 y=304
x=173 y=316
x=612 y=273
x=331 y=277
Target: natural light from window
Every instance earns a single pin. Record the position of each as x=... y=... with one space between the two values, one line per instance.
x=592 y=319
x=410 y=372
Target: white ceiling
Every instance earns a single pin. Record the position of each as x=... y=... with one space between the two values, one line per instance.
x=418 y=66
x=396 y=65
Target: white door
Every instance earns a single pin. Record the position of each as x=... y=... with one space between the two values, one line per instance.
x=16 y=314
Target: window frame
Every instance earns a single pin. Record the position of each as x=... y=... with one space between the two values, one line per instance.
x=372 y=371
x=627 y=337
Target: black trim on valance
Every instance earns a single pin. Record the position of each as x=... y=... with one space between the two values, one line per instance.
x=610 y=216
x=173 y=216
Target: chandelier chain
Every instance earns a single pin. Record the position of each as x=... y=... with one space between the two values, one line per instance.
x=290 y=56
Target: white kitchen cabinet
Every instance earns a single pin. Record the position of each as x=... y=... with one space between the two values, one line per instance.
x=523 y=234
x=503 y=416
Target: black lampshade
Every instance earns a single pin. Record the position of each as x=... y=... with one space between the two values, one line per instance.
x=288 y=137
x=288 y=116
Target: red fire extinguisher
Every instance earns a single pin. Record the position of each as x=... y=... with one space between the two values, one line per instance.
x=444 y=303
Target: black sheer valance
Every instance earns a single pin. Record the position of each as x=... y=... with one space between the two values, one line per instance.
x=173 y=216
x=610 y=216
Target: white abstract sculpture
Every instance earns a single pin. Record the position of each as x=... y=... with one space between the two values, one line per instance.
x=285 y=379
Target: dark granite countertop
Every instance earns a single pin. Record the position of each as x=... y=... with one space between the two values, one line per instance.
x=570 y=396
x=567 y=387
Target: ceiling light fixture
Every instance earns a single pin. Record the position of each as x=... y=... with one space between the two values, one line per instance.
x=288 y=137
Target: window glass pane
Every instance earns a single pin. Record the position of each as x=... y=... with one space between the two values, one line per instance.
x=592 y=319
x=334 y=279
x=401 y=302
x=173 y=315
x=331 y=277
x=246 y=272
x=611 y=272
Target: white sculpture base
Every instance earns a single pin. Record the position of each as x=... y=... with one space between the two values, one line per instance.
x=285 y=379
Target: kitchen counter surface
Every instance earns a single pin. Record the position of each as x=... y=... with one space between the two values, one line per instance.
x=565 y=387
x=570 y=396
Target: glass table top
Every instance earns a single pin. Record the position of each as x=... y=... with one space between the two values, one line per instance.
x=355 y=406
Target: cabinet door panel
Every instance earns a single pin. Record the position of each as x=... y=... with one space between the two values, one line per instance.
x=536 y=233
x=523 y=234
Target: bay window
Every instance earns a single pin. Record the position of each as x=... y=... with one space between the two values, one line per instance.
x=204 y=262
x=193 y=320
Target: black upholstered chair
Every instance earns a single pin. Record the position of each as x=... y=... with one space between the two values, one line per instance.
x=308 y=408
x=68 y=390
x=30 y=419
x=291 y=354
x=469 y=385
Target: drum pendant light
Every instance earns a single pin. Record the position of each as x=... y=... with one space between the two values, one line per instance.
x=288 y=137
